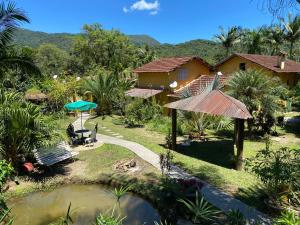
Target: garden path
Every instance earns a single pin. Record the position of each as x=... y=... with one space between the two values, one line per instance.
x=213 y=195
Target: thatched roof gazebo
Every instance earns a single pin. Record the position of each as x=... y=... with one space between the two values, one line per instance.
x=216 y=103
x=36 y=97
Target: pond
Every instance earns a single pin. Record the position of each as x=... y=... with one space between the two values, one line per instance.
x=42 y=208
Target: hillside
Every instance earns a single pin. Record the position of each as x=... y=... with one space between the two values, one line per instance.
x=64 y=40
x=208 y=50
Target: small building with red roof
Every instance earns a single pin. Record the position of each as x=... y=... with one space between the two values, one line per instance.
x=155 y=78
x=275 y=66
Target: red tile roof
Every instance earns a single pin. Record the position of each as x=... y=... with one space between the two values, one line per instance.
x=198 y=85
x=214 y=103
x=167 y=64
x=267 y=61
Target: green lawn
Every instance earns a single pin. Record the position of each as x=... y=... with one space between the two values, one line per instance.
x=210 y=161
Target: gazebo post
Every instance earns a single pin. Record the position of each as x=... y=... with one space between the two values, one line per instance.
x=240 y=143
x=174 y=127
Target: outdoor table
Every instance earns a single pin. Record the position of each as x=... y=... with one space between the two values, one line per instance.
x=82 y=132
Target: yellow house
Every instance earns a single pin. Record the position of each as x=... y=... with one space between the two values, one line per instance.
x=165 y=76
x=287 y=70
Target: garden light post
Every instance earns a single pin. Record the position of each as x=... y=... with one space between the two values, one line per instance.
x=173 y=85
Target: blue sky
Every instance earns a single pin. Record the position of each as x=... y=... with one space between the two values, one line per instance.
x=168 y=21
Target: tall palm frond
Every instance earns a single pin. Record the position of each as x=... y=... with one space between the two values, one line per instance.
x=10 y=19
x=229 y=38
x=254 y=41
x=292 y=30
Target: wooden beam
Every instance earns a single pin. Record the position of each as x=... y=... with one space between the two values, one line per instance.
x=174 y=128
x=240 y=143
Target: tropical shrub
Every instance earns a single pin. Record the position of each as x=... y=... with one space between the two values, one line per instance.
x=200 y=210
x=120 y=192
x=287 y=218
x=165 y=161
x=6 y=171
x=260 y=95
x=277 y=169
x=105 y=219
x=23 y=128
x=140 y=111
x=235 y=217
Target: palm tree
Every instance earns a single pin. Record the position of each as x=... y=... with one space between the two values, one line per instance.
x=23 y=128
x=230 y=38
x=254 y=89
x=274 y=38
x=254 y=41
x=104 y=88
x=10 y=19
x=292 y=30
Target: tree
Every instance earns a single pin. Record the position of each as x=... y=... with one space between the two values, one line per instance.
x=51 y=60
x=230 y=38
x=111 y=50
x=10 y=19
x=292 y=31
x=254 y=41
x=23 y=128
x=278 y=7
x=259 y=93
x=274 y=38
x=103 y=87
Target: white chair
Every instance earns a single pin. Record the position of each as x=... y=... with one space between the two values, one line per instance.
x=91 y=140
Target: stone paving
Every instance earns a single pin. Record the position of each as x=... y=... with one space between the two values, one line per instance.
x=213 y=195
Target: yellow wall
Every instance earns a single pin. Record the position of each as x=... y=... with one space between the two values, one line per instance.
x=233 y=65
x=156 y=80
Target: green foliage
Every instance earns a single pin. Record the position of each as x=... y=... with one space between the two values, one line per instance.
x=111 y=50
x=165 y=161
x=6 y=171
x=23 y=128
x=103 y=87
x=5 y=218
x=140 y=111
x=235 y=217
x=291 y=31
x=260 y=95
x=11 y=17
x=67 y=219
x=287 y=218
x=277 y=169
x=51 y=60
x=229 y=38
x=200 y=210
x=120 y=192
x=168 y=139
x=105 y=219
x=59 y=92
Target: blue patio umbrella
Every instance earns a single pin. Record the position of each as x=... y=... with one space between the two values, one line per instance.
x=81 y=106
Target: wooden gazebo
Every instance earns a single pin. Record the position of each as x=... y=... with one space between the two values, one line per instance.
x=217 y=103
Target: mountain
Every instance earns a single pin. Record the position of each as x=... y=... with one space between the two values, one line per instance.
x=143 y=39
x=209 y=50
x=64 y=40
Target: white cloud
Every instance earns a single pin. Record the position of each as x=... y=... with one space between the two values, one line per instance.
x=153 y=13
x=142 y=5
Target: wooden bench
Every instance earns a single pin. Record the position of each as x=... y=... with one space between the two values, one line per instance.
x=53 y=155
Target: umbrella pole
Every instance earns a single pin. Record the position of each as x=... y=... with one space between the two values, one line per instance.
x=81 y=121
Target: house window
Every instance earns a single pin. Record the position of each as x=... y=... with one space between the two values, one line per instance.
x=287 y=82
x=182 y=74
x=243 y=66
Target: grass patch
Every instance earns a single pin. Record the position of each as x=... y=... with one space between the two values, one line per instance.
x=210 y=161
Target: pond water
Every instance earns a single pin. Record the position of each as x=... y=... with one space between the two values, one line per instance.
x=42 y=208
